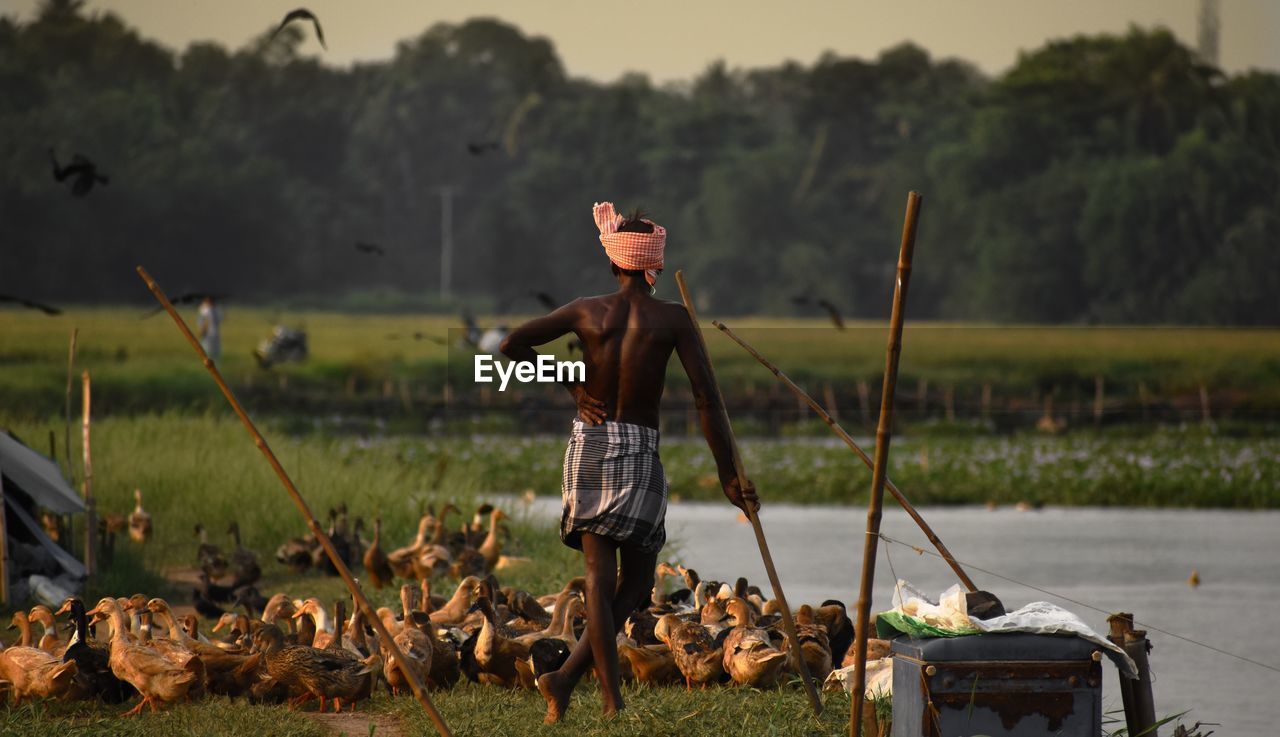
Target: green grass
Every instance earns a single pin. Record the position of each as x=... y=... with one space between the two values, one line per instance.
x=210 y=716
x=140 y=365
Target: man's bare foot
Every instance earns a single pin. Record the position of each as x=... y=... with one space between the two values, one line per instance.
x=553 y=689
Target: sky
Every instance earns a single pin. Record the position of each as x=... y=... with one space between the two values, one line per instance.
x=677 y=39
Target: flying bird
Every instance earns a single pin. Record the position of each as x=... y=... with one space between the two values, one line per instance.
x=185 y=299
x=46 y=309
x=82 y=172
x=302 y=14
x=546 y=300
x=372 y=248
x=478 y=148
x=834 y=313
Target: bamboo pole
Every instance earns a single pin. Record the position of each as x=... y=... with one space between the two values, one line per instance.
x=853 y=445
x=788 y=624
x=66 y=448
x=870 y=543
x=90 y=513
x=419 y=690
x=4 y=548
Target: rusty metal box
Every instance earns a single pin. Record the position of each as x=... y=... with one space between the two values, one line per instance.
x=996 y=685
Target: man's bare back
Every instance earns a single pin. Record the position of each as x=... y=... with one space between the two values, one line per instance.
x=627 y=340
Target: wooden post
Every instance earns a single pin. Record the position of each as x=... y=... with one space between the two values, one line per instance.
x=419 y=689
x=1142 y=399
x=986 y=402
x=864 y=402
x=949 y=402
x=788 y=623
x=1205 y=415
x=829 y=396
x=66 y=448
x=90 y=513
x=1099 y=397
x=922 y=398
x=1139 y=706
x=893 y=353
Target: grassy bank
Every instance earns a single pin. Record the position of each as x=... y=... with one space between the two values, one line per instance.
x=371 y=363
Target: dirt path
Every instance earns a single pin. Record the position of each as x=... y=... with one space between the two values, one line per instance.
x=356 y=724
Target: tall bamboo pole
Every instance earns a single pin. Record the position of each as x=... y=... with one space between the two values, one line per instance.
x=788 y=624
x=91 y=514
x=419 y=690
x=879 y=470
x=853 y=445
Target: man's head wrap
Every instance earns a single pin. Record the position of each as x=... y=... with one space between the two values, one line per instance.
x=630 y=251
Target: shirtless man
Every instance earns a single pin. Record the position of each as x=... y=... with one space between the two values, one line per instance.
x=615 y=495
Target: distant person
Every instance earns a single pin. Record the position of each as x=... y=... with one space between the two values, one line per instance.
x=209 y=324
x=614 y=488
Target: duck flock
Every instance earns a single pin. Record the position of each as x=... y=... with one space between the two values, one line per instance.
x=286 y=650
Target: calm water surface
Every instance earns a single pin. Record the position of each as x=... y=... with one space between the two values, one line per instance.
x=1135 y=560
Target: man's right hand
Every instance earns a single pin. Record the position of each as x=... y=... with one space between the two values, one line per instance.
x=590 y=409
x=741 y=497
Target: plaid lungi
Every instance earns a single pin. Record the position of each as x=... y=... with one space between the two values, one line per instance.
x=614 y=486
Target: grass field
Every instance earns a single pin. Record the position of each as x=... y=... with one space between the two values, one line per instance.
x=144 y=364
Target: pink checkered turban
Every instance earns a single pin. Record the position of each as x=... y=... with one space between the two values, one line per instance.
x=631 y=251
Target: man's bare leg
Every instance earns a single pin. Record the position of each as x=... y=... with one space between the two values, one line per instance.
x=616 y=605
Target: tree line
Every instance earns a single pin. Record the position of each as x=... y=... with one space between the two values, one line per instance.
x=1107 y=178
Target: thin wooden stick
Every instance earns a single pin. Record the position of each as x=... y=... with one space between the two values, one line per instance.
x=853 y=445
x=880 y=468
x=66 y=449
x=419 y=690
x=91 y=514
x=788 y=624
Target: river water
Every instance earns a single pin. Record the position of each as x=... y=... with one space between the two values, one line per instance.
x=1134 y=560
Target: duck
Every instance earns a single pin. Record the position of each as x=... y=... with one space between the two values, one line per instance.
x=500 y=660
x=311 y=672
x=156 y=679
x=320 y=618
x=376 y=567
x=295 y=553
x=219 y=664
x=244 y=562
x=139 y=520
x=22 y=624
x=696 y=653
x=94 y=679
x=815 y=646
x=49 y=640
x=417 y=649
x=835 y=617
x=401 y=559
x=650 y=664
x=35 y=674
x=445 y=670
x=341 y=545
x=456 y=609
x=568 y=606
x=750 y=658
x=491 y=548
x=209 y=556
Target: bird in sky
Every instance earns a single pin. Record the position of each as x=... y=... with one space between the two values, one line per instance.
x=371 y=248
x=185 y=299
x=82 y=172
x=304 y=15
x=46 y=309
x=477 y=148
x=834 y=313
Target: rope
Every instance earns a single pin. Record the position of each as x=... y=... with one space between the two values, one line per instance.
x=922 y=551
